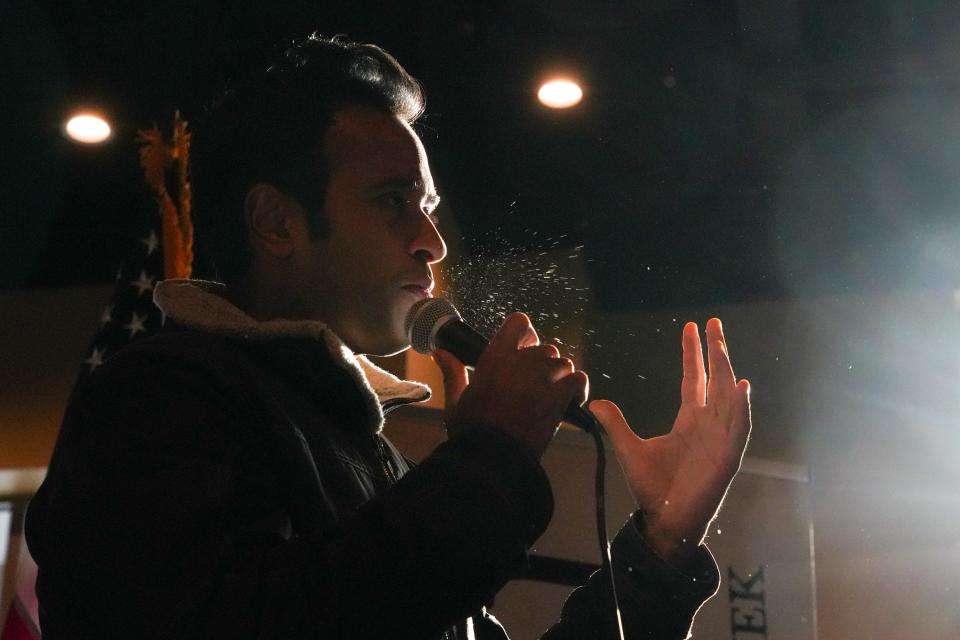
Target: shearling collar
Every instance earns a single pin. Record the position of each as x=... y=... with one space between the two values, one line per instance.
x=199 y=304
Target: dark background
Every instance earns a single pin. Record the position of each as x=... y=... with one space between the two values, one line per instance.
x=725 y=151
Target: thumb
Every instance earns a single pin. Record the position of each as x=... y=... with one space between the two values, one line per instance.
x=455 y=377
x=610 y=416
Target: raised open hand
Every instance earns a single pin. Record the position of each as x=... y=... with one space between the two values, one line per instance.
x=679 y=479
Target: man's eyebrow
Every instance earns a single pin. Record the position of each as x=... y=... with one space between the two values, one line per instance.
x=398 y=184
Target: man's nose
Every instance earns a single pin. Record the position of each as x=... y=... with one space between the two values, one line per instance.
x=429 y=244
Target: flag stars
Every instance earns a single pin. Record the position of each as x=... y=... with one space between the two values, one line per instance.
x=151 y=242
x=143 y=284
x=107 y=316
x=95 y=359
x=136 y=325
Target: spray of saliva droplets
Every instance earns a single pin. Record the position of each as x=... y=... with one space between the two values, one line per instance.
x=546 y=279
x=502 y=278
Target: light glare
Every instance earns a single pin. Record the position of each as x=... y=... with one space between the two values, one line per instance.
x=560 y=94
x=87 y=128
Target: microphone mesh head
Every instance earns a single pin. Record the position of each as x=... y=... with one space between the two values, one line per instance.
x=422 y=320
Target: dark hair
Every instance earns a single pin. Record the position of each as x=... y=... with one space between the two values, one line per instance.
x=270 y=129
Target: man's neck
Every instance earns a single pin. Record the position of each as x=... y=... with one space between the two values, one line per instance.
x=261 y=300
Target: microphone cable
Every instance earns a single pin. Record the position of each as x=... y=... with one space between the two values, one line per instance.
x=601 y=511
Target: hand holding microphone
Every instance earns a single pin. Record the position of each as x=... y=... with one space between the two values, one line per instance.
x=519 y=386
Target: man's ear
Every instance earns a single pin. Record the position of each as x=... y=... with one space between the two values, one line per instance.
x=273 y=220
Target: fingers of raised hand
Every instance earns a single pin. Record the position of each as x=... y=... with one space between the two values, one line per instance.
x=693 y=386
x=731 y=413
x=742 y=421
x=620 y=433
x=722 y=378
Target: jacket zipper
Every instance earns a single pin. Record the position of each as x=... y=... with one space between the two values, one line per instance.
x=387 y=407
x=385 y=460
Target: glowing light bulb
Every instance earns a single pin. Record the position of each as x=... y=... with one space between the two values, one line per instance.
x=560 y=94
x=87 y=128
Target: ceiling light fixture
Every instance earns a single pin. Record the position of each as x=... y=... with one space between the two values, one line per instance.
x=87 y=128
x=560 y=94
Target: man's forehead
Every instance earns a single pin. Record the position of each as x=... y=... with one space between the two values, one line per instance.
x=375 y=138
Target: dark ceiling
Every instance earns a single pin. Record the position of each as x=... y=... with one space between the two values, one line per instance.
x=726 y=151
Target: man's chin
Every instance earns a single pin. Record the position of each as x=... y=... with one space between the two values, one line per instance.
x=382 y=345
x=390 y=352
x=382 y=334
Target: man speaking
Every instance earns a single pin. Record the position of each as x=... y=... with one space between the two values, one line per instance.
x=227 y=477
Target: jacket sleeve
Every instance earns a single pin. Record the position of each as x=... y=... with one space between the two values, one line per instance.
x=158 y=518
x=656 y=600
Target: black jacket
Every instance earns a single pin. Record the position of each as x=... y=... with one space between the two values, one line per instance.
x=206 y=486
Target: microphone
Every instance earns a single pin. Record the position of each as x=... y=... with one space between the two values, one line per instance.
x=434 y=323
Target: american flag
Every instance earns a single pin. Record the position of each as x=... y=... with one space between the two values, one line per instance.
x=130 y=314
x=162 y=251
